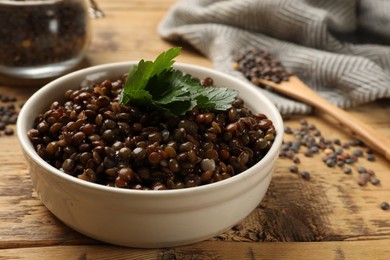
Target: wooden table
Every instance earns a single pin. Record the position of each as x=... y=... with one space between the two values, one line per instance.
x=288 y=224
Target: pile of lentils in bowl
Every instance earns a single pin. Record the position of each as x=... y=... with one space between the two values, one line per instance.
x=91 y=136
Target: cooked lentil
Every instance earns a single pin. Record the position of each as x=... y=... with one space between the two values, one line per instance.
x=90 y=136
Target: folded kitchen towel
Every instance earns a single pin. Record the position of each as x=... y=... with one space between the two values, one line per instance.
x=340 y=48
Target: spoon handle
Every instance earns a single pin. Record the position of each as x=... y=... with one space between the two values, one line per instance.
x=369 y=135
x=297 y=89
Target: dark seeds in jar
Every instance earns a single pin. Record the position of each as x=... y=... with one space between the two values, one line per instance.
x=37 y=34
x=100 y=141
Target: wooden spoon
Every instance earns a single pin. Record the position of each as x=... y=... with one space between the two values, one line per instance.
x=296 y=89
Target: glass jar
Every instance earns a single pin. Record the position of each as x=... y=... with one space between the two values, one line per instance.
x=42 y=38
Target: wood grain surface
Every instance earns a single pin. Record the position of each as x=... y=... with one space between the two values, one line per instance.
x=329 y=216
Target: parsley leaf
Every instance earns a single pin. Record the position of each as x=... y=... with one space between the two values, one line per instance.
x=156 y=84
x=216 y=98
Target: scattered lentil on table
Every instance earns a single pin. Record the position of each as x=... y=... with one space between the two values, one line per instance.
x=8 y=114
x=385 y=205
x=333 y=153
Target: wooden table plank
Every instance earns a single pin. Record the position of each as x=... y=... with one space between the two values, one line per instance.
x=212 y=250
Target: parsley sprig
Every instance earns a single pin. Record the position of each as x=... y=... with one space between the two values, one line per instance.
x=157 y=85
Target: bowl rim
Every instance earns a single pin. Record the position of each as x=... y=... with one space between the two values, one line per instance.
x=23 y=121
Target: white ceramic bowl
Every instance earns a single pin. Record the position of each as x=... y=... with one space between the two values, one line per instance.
x=139 y=218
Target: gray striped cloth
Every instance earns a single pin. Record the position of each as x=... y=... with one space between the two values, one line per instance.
x=340 y=48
